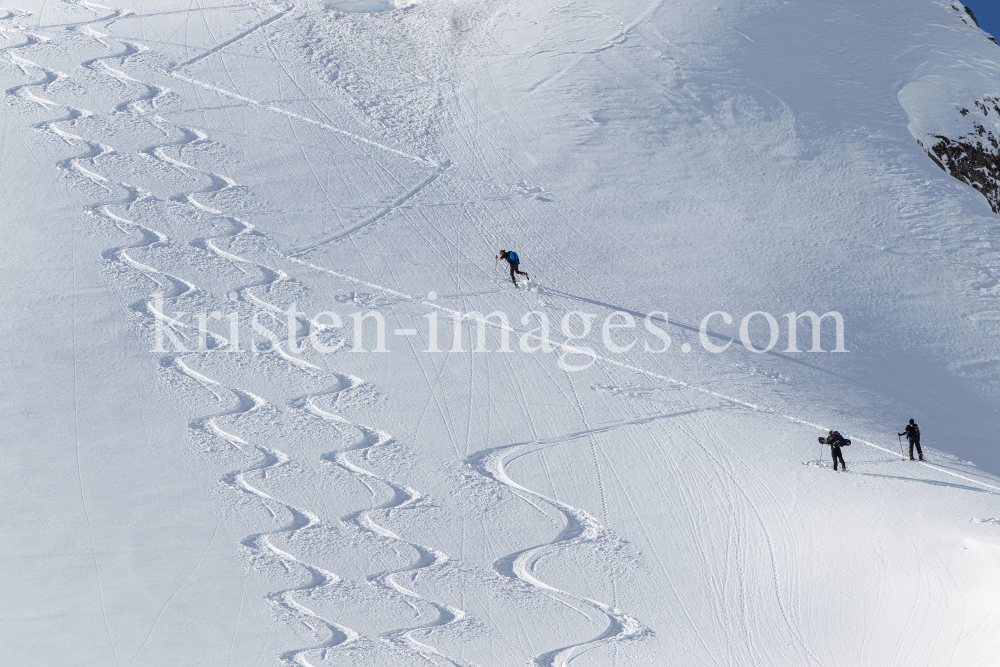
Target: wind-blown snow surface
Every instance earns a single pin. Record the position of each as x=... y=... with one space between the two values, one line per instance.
x=259 y=506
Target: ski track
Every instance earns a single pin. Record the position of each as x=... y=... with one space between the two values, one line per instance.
x=30 y=40
x=94 y=7
x=402 y=497
x=272 y=108
x=170 y=288
x=218 y=47
x=301 y=519
x=239 y=230
x=402 y=199
x=261 y=544
x=580 y=528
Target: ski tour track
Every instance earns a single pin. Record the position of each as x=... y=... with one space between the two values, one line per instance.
x=233 y=424
x=170 y=289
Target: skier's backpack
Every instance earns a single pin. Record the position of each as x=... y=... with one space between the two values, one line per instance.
x=513 y=257
x=844 y=442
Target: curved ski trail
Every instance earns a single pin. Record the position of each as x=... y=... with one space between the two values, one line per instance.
x=145 y=106
x=218 y=183
x=402 y=497
x=152 y=308
x=580 y=528
x=301 y=519
x=169 y=286
x=261 y=544
x=239 y=229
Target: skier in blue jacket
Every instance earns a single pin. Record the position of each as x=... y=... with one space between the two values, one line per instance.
x=513 y=260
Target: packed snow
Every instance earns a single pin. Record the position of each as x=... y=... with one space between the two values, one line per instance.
x=271 y=399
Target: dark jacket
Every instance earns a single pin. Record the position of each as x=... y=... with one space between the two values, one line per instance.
x=912 y=432
x=513 y=261
x=835 y=440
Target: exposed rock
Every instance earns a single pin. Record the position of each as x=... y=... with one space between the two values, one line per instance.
x=959 y=8
x=973 y=158
x=969 y=12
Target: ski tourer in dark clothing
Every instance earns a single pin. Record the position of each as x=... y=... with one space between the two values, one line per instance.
x=513 y=261
x=912 y=433
x=836 y=441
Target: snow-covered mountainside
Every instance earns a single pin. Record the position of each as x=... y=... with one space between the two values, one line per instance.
x=967 y=149
x=271 y=399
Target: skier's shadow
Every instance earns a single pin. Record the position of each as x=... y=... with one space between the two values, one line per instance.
x=932 y=482
x=964 y=471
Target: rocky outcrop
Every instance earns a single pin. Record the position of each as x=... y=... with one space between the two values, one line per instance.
x=973 y=158
x=959 y=8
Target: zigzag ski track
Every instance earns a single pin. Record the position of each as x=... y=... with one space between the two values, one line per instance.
x=288 y=602
x=119 y=206
x=580 y=528
x=401 y=498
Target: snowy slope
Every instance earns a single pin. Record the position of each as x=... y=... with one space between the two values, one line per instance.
x=244 y=503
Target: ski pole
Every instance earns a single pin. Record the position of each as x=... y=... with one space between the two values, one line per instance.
x=821 y=452
x=900 y=438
